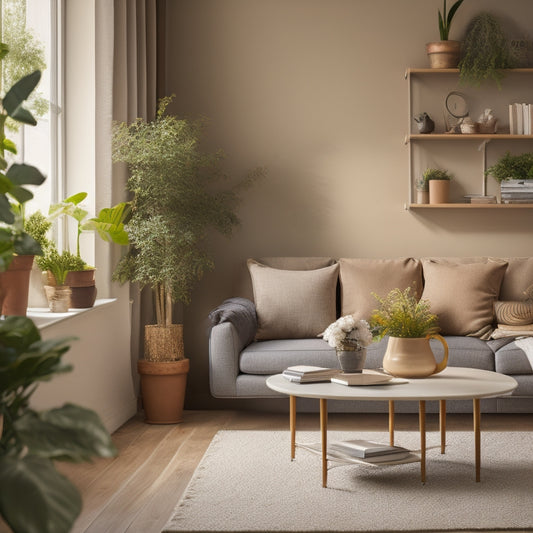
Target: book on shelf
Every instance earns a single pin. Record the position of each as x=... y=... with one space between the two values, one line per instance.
x=308 y=373
x=520 y=118
x=367 y=449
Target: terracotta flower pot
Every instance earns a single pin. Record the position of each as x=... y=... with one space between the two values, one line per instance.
x=443 y=54
x=15 y=284
x=82 y=283
x=163 y=385
x=439 y=191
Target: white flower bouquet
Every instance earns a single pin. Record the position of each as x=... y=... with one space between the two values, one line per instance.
x=348 y=331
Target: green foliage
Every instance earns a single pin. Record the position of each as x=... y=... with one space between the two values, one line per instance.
x=436 y=174
x=37 y=226
x=33 y=495
x=110 y=223
x=485 y=51
x=518 y=167
x=26 y=54
x=402 y=314
x=60 y=264
x=445 y=20
x=174 y=204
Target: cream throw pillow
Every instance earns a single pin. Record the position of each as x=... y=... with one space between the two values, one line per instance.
x=360 y=278
x=293 y=304
x=463 y=295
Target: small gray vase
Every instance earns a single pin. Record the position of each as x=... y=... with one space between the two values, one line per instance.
x=351 y=359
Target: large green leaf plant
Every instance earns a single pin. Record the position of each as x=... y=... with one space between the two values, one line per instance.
x=14 y=178
x=34 y=497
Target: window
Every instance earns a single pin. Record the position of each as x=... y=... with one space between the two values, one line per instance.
x=32 y=31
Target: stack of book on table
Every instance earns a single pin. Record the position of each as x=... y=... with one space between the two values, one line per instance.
x=517 y=191
x=309 y=374
x=368 y=451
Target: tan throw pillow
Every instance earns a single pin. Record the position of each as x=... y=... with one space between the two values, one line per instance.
x=463 y=295
x=293 y=304
x=518 y=277
x=360 y=278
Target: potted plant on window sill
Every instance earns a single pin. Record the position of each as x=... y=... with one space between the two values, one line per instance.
x=17 y=248
x=172 y=208
x=445 y=53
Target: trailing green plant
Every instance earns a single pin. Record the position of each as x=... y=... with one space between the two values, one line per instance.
x=445 y=19
x=34 y=496
x=519 y=167
x=436 y=174
x=59 y=264
x=402 y=314
x=174 y=205
x=485 y=51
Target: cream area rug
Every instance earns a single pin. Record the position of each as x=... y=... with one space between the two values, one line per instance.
x=247 y=482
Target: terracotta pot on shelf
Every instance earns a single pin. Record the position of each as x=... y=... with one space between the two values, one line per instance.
x=15 y=284
x=443 y=54
x=439 y=191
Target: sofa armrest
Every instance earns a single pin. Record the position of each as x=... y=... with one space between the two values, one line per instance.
x=225 y=346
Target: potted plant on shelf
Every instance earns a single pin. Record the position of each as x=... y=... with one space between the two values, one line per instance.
x=173 y=206
x=422 y=190
x=514 y=173
x=445 y=53
x=485 y=52
x=410 y=325
x=34 y=496
x=439 y=185
x=17 y=248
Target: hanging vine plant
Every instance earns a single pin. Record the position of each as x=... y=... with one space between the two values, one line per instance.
x=485 y=51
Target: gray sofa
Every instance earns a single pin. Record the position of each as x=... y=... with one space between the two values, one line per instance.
x=241 y=358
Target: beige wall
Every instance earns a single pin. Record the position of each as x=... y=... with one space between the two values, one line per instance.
x=315 y=91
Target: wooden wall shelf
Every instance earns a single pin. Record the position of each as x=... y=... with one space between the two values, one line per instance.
x=471 y=206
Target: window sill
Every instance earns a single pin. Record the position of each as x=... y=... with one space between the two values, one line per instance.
x=43 y=317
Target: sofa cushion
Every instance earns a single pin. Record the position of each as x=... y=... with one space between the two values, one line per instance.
x=293 y=304
x=359 y=278
x=463 y=295
x=511 y=360
x=273 y=357
x=518 y=277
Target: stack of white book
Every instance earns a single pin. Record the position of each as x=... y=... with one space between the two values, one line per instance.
x=520 y=119
x=309 y=374
x=517 y=191
x=369 y=451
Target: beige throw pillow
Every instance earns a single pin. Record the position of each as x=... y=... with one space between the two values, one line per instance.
x=293 y=304
x=518 y=277
x=360 y=278
x=463 y=295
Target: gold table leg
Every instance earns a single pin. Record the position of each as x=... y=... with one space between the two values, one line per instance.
x=477 y=437
x=324 y=438
x=422 y=424
x=391 y=422
x=442 y=425
x=292 y=424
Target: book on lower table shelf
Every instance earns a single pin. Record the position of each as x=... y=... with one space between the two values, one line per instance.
x=344 y=453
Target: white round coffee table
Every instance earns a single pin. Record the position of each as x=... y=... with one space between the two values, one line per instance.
x=453 y=383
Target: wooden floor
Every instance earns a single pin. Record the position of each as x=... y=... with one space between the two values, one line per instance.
x=137 y=491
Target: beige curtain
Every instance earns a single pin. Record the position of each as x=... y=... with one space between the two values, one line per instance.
x=135 y=93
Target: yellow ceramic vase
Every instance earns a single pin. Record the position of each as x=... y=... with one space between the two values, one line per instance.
x=413 y=358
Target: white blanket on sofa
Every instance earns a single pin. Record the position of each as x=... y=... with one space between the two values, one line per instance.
x=526 y=345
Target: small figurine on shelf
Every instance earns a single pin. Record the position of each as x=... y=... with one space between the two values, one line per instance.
x=424 y=123
x=487 y=123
